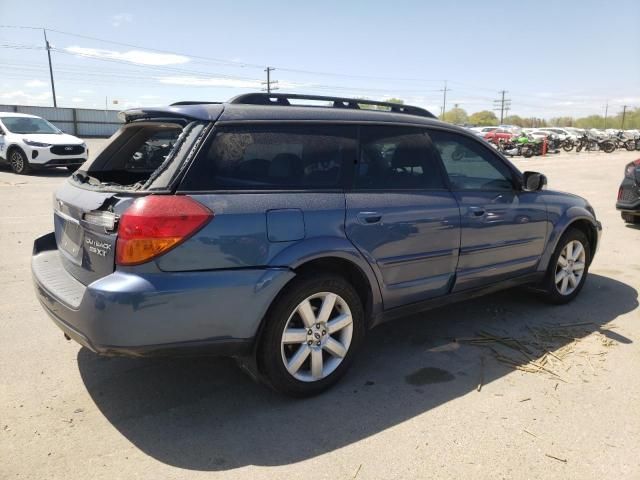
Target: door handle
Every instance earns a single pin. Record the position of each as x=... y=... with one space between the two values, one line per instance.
x=477 y=211
x=368 y=218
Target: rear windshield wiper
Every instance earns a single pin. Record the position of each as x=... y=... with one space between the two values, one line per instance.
x=82 y=177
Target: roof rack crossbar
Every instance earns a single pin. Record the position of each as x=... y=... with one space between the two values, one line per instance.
x=283 y=99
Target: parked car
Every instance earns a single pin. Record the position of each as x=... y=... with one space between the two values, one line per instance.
x=561 y=133
x=482 y=131
x=28 y=142
x=629 y=193
x=281 y=233
x=499 y=134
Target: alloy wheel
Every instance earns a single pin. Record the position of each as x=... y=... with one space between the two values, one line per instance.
x=317 y=337
x=570 y=267
x=17 y=162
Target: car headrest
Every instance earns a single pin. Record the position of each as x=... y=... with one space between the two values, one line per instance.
x=284 y=165
x=407 y=156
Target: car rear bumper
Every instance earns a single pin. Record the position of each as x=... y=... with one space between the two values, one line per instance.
x=126 y=313
x=628 y=197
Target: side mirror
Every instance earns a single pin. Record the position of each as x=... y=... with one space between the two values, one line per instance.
x=533 y=181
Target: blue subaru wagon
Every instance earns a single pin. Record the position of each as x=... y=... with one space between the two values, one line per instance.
x=280 y=228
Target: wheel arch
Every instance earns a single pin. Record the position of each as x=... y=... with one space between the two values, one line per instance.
x=575 y=217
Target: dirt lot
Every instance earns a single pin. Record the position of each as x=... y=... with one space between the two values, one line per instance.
x=562 y=402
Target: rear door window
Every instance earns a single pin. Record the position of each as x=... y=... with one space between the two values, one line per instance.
x=274 y=157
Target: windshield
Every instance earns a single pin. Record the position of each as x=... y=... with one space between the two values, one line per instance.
x=28 y=125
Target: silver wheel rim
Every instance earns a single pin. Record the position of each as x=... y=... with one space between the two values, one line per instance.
x=570 y=267
x=17 y=162
x=317 y=337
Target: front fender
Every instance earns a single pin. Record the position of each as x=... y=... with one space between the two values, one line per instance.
x=316 y=248
x=560 y=224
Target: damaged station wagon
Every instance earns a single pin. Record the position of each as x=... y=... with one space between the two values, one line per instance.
x=280 y=228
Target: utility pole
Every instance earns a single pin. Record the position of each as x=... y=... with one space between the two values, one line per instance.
x=444 y=98
x=53 y=86
x=624 y=113
x=502 y=104
x=269 y=82
x=606 y=112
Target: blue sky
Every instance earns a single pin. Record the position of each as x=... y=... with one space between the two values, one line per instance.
x=553 y=57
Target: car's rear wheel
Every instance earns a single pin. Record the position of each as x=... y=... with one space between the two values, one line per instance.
x=311 y=335
x=629 y=218
x=568 y=267
x=19 y=162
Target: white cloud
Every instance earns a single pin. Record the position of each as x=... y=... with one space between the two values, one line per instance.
x=85 y=90
x=121 y=18
x=140 y=57
x=77 y=100
x=21 y=97
x=208 y=82
x=149 y=97
x=35 y=84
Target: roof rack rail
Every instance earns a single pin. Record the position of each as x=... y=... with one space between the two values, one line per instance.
x=193 y=102
x=282 y=99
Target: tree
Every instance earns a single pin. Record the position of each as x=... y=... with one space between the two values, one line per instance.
x=514 y=120
x=365 y=106
x=456 y=115
x=484 y=118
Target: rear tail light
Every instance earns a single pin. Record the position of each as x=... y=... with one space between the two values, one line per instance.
x=620 y=190
x=155 y=224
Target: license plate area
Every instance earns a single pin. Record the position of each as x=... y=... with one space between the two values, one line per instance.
x=70 y=236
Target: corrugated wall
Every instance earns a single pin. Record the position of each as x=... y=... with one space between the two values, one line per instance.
x=82 y=122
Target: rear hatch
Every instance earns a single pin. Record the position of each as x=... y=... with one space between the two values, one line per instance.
x=143 y=157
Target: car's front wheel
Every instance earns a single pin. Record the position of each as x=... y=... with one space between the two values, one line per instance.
x=311 y=335
x=568 y=267
x=19 y=162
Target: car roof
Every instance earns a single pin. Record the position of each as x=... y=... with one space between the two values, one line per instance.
x=15 y=114
x=343 y=110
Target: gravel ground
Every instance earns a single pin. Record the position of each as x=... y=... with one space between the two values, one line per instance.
x=416 y=404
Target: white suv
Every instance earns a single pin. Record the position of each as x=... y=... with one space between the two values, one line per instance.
x=27 y=141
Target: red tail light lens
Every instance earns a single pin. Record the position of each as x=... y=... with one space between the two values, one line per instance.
x=155 y=224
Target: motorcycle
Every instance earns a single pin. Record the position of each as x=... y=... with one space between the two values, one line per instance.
x=623 y=140
x=528 y=145
x=554 y=143
x=591 y=143
x=568 y=144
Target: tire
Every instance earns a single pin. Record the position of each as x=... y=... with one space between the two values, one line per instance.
x=297 y=377
x=632 y=219
x=567 y=146
x=579 y=148
x=19 y=162
x=527 y=152
x=630 y=145
x=608 y=147
x=554 y=282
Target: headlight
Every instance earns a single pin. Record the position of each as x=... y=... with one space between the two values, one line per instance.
x=31 y=143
